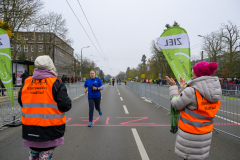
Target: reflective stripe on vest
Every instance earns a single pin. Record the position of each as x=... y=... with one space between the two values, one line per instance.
x=198 y=116
x=199 y=121
x=38 y=105
x=196 y=124
x=43 y=116
x=44 y=105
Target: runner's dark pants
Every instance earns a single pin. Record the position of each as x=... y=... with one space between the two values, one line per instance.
x=92 y=102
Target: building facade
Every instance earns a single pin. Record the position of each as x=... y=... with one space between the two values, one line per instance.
x=29 y=45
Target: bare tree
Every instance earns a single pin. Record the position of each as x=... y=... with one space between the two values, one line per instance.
x=159 y=61
x=55 y=33
x=213 y=45
x=18 y=13
x=52 y=22
x=231 y=37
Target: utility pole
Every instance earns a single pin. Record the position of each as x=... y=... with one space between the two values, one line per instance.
x=81 y=66
x=202 y=56
x=209 y=56
x=209 y=52
x=81 y=61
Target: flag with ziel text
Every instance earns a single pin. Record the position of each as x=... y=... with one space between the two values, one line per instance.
x=6 y=64
x=175 y=45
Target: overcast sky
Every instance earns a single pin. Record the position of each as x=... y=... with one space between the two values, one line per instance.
x=125 y=28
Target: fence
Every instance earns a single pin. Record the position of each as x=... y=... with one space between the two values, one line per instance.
x=9 y=114
x=226 y=120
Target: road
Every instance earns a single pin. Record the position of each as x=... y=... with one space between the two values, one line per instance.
x=130 y=128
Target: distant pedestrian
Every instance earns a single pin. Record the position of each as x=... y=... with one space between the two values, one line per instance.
x=94 y=86
x=117 y=81
x=24 y=76
x=67 y=79
x=196 y=122
x=14 y=78
x=72 y=79
x=2 y=88
x=43 y=110
x=113 y=81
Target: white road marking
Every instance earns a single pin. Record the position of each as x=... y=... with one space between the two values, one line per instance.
x=229 y=112
x=140 y=146
x=118 y=93
x=121 y=98
x=125 y=109
x=146 y=100
x=227 y=120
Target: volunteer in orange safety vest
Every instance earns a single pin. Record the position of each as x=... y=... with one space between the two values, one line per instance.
x=44 y=101
x=198 y=104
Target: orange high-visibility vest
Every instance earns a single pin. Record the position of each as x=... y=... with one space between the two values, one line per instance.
x=199 y=121
x=38 y=105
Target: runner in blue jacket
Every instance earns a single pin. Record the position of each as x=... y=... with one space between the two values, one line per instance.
x=94 y=86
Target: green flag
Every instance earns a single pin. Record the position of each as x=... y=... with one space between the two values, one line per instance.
x=175 y=45
x=6 y=64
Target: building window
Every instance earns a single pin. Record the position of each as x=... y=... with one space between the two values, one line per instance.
x=33 y=37
x=19 y=47
x=40 y=48
x=25 y=48
x=32 y=58
x=32 y=48
x=40 y=37
x=25 y=37
x=12 y=47
x=26 y=58
x=18 y=37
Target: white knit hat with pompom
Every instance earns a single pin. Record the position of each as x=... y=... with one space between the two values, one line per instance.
x=45 y=63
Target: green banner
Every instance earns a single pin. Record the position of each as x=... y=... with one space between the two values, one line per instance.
x=6 y=64
x=175 y=45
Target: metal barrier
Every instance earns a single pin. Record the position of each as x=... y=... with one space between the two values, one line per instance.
x=227 y=119
x=74 y=89
x=9 y=114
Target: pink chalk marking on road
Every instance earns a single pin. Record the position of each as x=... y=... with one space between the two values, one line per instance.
x=68 y=119
x=94 y=120
x=128 y=125
x=141 y=118
x=132 y=117
x=141 y=125
x=107 y=120
x=138 y=123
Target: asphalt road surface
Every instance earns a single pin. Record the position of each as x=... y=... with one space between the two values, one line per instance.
x=129 y=129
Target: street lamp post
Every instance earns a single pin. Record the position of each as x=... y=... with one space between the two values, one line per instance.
x=208 y=48
x=81 y=61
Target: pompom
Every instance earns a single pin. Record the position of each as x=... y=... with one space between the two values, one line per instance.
x=213 y=66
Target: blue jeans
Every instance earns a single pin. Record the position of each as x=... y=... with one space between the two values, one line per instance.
x=92 y=102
